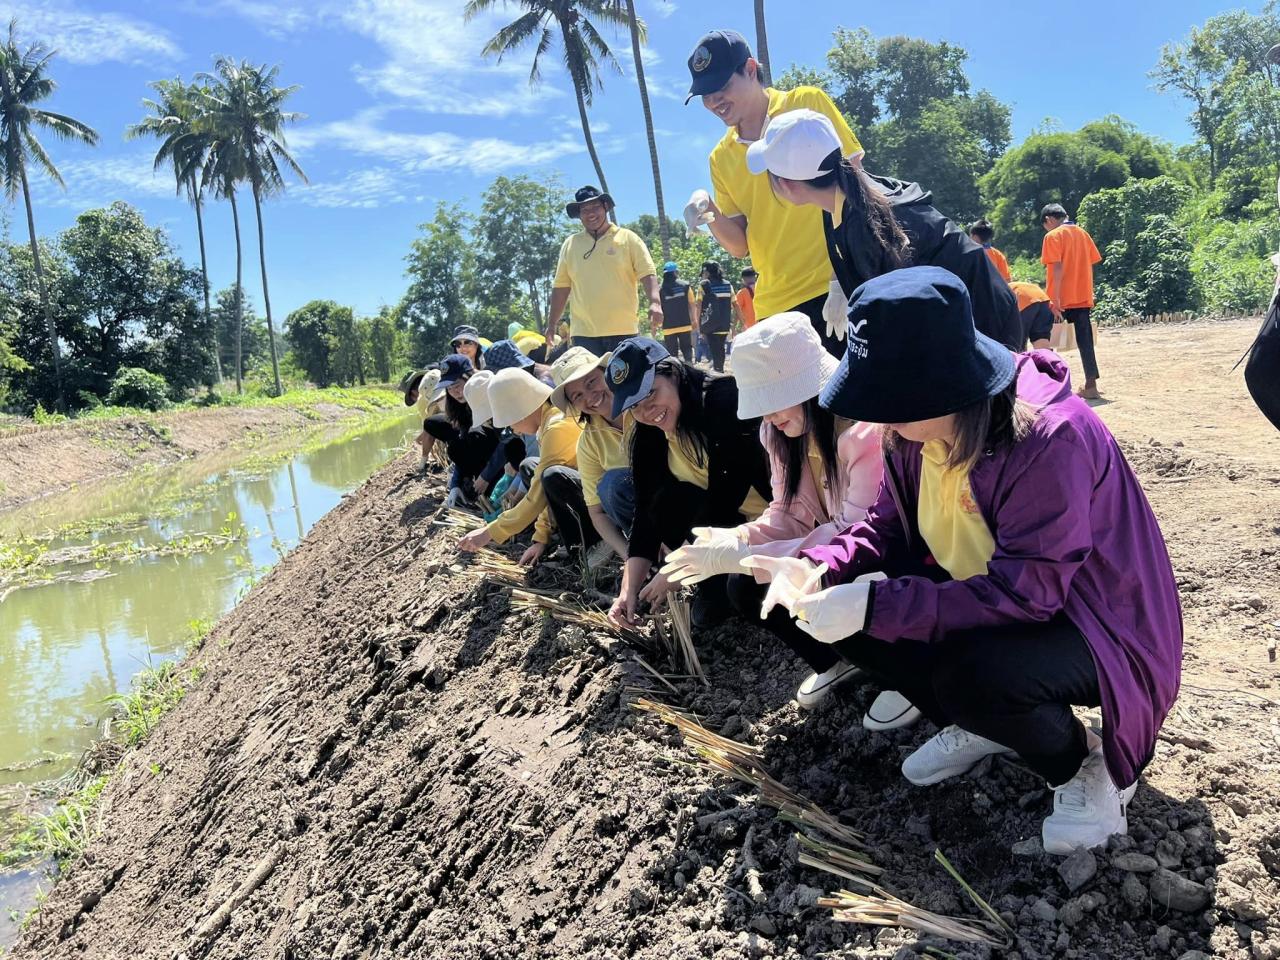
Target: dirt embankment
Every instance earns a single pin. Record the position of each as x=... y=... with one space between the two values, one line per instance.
x=42 y=460
x=386 y=759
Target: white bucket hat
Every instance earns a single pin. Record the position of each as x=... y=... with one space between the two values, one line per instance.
x=476 y=393
x=794 y=145
x=514 y=394
x=779 y=363
x=574 y=364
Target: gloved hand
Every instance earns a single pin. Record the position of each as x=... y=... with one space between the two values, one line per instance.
x=715 y=550
x=696 y=212
x=835 y=310
x=835 y=613
x=790 y=578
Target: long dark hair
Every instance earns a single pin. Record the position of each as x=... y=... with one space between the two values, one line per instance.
x=691 y=431
x=819 y=423
x=871 y=206
x=988 y=426
x=713 y=268
x=458 y=412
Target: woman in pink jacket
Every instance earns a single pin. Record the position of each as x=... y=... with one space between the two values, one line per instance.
x=826 y=473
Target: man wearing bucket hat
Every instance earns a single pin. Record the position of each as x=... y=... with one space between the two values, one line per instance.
x=596 y=277
x=520 y=402
x=826 y=472
x=1023 y=572
x=874 y=224
x=603 y=465
x=783 y=241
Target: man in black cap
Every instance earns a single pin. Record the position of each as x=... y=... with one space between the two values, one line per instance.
x=785 y=243
x=597 y=275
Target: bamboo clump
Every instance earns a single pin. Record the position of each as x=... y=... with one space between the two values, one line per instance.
x=743 y=763
x=562 y=609
x=677 y=639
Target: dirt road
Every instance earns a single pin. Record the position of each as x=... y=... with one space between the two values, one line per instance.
x=387 y=760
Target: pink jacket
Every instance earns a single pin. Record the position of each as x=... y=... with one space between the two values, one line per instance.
x=816 y=517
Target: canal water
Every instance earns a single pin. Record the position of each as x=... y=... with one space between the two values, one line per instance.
x=149 y=561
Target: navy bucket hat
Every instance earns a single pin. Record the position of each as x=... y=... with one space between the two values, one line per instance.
x=504 y=354
x=629 y=375
x=913 y=352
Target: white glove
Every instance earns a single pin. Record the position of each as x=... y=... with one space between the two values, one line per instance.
x=835 y=310
x=696 y=212
x=790 y=578
x=715 y=550
x=835 y=613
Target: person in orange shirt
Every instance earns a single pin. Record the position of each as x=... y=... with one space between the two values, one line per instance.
x=1035 y=311
x=1068 y=254
x=982 y=233
x=746 y=297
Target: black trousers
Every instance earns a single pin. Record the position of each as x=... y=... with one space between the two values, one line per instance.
x=469 y=450
x=563 y=488
x=1078 y=317
x=679 y=345
x=1262 y=372
x=715 y=343
x=514 y=451
x=1014 y=685
x=813 y=310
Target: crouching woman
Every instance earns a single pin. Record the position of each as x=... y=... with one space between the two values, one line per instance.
x=694 y=463
x=1020 y=569
x=520 y=402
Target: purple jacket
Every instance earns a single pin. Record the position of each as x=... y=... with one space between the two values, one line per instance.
x=1074 y=534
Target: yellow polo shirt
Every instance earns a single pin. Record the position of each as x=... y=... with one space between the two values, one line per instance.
x=558 y=443
x=600 y=449
x=950 y=521
x=602 y=276
x=787 y=243
x=683 y=467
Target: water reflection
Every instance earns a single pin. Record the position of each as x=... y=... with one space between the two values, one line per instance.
x=66 y=646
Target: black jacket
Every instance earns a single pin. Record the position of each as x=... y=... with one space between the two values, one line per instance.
x=666 y=508
x=935 y=241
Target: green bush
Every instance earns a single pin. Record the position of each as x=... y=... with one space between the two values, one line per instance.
x=135 y=387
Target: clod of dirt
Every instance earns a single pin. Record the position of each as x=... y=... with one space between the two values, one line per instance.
x=1078 y=869
x=1168 y=889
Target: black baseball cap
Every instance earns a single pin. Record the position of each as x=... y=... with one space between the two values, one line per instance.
x=629 y=375
x=453 y=368
x=718 y=55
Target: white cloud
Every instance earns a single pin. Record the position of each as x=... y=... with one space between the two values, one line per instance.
x=276 y=19
x=372 y=187
x=662 y=9
x=98 y=180
x=431 y=152
x=433 y=59
x=88 y=37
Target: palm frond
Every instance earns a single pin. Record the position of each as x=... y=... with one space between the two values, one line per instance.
x=64 y=127
x=41 y=158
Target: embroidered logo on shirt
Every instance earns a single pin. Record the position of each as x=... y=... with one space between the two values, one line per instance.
x=701 y=59
x=967 y=503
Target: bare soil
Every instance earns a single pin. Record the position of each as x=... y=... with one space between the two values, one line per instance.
x=387 y=760
x=37 y=461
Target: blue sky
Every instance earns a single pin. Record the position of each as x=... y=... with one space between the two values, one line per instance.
x=402 y=111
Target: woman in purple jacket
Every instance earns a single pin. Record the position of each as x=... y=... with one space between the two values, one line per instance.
x=1011 y=567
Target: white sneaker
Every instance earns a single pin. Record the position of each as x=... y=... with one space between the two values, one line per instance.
x=1087 y=809
x=890 y=711
x=816 y=686
x=950 y=752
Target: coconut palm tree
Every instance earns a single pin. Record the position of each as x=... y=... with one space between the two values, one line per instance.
x=762 y=44
x=585 y=51
x=24 y=82
x=639 y=35
x=184 y=145
x=243 y=113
